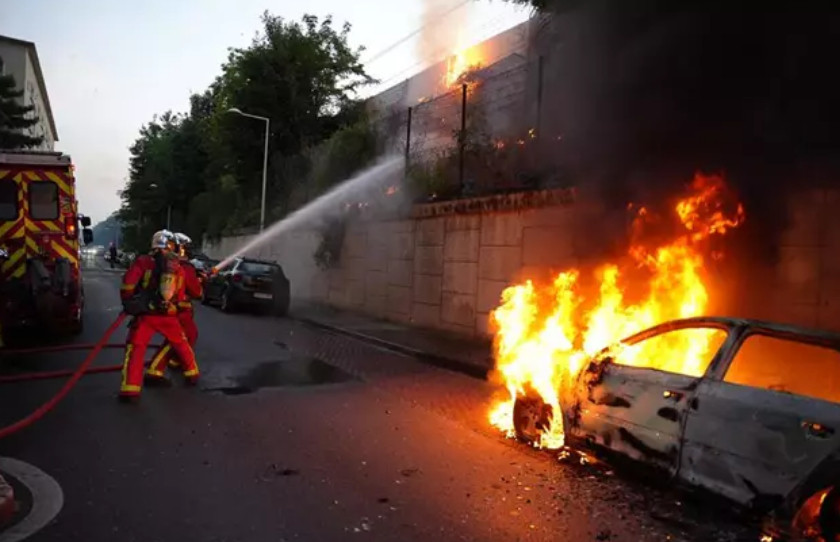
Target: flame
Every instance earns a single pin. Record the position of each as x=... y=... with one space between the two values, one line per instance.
x=391 y=190
x=545 y=334
x=462 y=61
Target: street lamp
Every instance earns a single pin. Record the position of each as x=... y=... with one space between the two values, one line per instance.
x=238 y=111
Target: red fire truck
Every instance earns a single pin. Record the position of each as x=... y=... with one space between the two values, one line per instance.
x=40 y=280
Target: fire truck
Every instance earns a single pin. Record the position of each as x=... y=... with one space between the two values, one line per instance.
x=40 y=281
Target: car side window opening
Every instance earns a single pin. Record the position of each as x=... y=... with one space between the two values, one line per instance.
x=257 y=268
x=785 y=365
x=687 y=351
x=43 y=201
x=8 y=200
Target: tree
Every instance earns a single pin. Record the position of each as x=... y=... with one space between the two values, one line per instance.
x=207 y=164
x=14 y=118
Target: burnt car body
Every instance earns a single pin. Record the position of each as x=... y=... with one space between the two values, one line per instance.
x=248 y=283
x=756 y=421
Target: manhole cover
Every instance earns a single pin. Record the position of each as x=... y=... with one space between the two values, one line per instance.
x=295 y=372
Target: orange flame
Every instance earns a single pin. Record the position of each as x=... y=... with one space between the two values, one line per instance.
x=544 y=335
x=464 y=60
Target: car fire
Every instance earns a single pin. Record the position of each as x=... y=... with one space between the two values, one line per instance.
x=544 y=334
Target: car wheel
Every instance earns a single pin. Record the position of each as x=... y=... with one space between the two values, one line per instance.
x=204 y=299
x=226 y=305
x=531 y=418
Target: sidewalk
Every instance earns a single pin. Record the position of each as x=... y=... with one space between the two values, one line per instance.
x=465 y=355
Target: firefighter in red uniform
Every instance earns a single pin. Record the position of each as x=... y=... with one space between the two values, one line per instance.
x=189 y=289
x=148 y=293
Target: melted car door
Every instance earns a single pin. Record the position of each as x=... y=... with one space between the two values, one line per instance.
x=635 y=402
x=773 y=417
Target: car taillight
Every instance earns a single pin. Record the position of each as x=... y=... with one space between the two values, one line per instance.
x=70 y=227
x=236 y=278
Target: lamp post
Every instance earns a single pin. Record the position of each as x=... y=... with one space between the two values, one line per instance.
x=265 y=158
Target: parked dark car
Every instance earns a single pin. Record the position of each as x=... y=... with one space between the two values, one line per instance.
x=248 y=283
x=753 y=416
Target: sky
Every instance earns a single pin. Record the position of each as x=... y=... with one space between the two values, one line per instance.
x=110 y=66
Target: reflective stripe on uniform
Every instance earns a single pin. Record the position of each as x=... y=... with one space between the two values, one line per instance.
x=129 y=388
x=128 y=349
x=158 y=360
x=192 y=372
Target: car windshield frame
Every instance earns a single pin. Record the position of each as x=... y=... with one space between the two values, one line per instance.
x=257 y=268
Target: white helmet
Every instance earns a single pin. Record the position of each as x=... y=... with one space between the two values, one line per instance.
x=161 y=239
x=3 y=254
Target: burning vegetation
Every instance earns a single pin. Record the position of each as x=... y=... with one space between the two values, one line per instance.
x=545 y=333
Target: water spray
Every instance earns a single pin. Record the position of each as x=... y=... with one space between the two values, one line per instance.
x=326 y=203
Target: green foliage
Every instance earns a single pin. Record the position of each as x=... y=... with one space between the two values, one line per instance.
x=207 y=163
x=14 y=118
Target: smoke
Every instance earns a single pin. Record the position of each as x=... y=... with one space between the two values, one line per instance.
x=643 y=98
x=442 y=22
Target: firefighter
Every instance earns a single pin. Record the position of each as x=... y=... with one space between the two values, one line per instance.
x=148 y=293
x=189 y=289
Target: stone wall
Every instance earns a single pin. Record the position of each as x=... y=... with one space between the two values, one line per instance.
x=447 y=267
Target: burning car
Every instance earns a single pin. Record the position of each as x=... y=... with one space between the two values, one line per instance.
x=625 y=360
x=750 y=412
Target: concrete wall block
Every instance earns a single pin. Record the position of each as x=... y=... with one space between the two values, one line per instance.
x=462 y=246
x=376 y=305
x=401 y=246
x=805 y=218
x=377 y=257
x=460 y=278
x=482 y=325
x=552 y=247
x=430 y=231
x=427 y=289
x=502 y=229
x=798 y=273
x=459 y=309
x=356 y=293
x=400 y=272
x=548 y=216
x=399 y=300
x=357 y=269
x=463 y=222
x=499 y=263
x=428 y=260
x=375 y=282
x=490 y=294
x=425 y=315
x=458 y=329
x=355 y=245
x=402 y=226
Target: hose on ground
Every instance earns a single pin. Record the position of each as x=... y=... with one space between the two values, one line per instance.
x=41 y=411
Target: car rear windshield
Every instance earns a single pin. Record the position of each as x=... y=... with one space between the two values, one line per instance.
x=43 y=200
x=257 y=268
x=8 y=200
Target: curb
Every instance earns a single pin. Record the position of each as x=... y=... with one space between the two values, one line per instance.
x=437 y=360
x=8 y=508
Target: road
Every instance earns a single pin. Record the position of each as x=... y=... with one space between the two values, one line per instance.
x=298 y=434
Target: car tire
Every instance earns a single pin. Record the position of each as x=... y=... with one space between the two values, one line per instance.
x=531 y=418
x=204 y=299
x=226 y=304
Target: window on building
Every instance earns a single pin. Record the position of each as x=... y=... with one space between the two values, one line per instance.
x=43 y=200
x=787 y=366
x=8 y=200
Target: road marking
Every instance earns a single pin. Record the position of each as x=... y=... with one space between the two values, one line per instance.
x=47 y=499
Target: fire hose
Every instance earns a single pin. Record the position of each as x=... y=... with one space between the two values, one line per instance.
x=83 y=368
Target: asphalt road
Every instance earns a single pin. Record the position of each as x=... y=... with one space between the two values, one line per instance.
x=298 y=434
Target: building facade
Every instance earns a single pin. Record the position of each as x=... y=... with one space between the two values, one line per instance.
x=19 y=58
